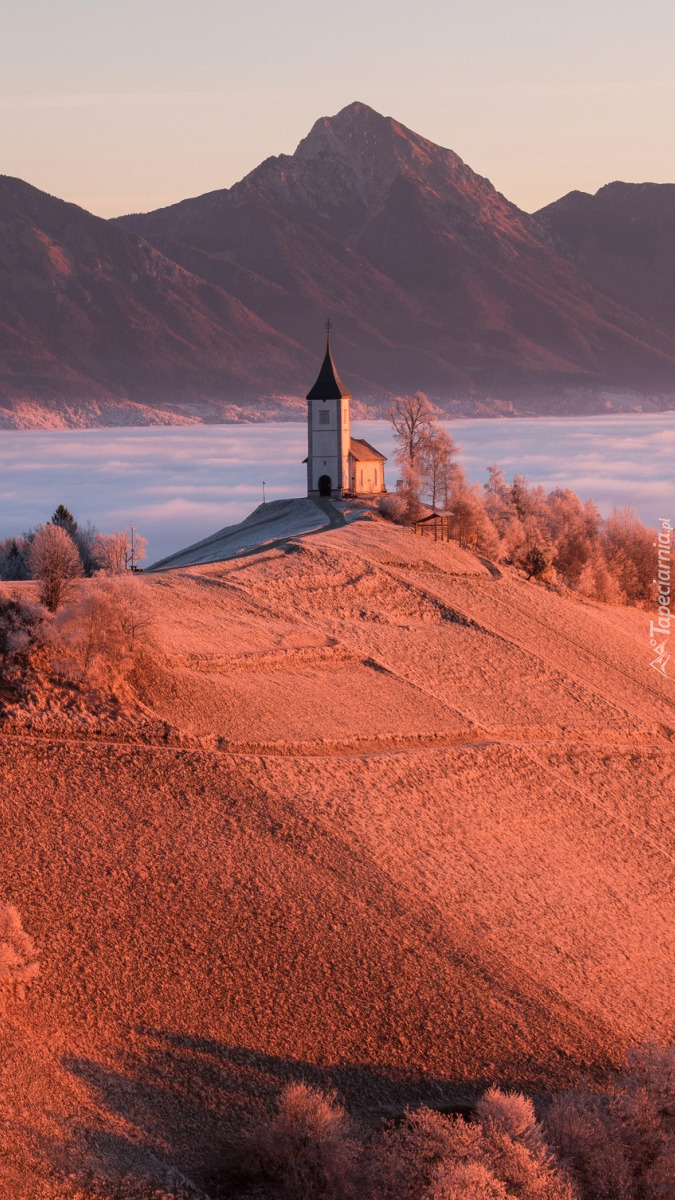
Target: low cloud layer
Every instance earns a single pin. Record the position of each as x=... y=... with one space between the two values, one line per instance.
x=179 y=484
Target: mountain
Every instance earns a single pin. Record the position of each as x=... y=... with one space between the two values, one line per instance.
x=623 y=239
x=99 y=327
x=210 y=309
x=435 y=280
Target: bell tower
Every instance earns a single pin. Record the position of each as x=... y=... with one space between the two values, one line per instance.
x=328 y=431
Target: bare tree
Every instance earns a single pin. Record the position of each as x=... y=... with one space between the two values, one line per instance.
x=53 y=558
x=97 y=638
x=120 y=551
x=413 y=422
x=111 y=551
x=438 y=466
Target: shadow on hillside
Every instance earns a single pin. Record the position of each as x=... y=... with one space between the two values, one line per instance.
x=182 y=1099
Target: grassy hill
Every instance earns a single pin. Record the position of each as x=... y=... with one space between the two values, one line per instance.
x=378 y=817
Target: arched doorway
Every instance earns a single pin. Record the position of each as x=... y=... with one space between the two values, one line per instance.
x=324 y=485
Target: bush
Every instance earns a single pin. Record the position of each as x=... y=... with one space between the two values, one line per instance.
x=394 y=507
x=95 y=639
x=18 y=962
x=23 y=628
x=620 y=1145
x=617 y=1145
x=408 y=1158
x=308 y=1150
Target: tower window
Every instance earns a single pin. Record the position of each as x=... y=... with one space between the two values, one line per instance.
x=324 y=416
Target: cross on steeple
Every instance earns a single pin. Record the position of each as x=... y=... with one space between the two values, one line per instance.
x=328 y=329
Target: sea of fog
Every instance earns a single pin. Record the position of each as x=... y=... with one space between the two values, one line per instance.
x=178 y=484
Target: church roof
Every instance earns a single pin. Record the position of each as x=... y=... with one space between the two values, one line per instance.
x=328 y=385
x=362 y=451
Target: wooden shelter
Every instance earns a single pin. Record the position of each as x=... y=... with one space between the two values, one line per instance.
x=434 y=525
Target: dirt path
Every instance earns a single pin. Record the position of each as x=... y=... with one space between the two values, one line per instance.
x=335 y=517
x=365 y=747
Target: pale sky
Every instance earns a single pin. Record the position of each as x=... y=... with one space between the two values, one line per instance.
x=126 y=105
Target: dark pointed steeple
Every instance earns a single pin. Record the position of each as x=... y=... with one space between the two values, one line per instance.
x=328 y=385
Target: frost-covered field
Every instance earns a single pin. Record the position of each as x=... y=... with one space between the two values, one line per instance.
x=179 y=484
x=364 y=814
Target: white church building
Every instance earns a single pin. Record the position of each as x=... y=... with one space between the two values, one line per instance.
x=338 y=464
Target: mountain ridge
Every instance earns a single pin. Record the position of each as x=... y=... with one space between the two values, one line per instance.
x=208 y=309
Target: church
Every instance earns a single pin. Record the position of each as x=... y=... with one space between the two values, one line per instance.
x=338 y=465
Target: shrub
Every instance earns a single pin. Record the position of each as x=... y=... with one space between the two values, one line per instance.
x=23 y=628
x=535 y=562
x=18 y=962
x=394 y=507
x=406 y=1160
x=308 y=1149
x=95 y=639
x=620 y=1145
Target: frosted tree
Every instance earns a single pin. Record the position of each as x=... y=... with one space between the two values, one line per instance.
x=111 y=551
x=54 y=560
x=470 y=524
x=120 y=551
x=438 y=465
x=414 y=425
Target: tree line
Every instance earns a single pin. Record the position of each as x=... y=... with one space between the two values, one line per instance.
x=61 y=550
x=552 y=536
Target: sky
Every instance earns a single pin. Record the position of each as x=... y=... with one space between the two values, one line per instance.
x=127 y=105
x=178 y=485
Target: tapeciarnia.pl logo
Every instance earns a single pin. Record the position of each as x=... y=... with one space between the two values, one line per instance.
x=659 y=630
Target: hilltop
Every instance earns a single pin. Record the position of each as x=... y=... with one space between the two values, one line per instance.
x=207 y=310
x=382 y=816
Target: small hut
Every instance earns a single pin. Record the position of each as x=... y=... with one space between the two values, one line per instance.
x=435 y=525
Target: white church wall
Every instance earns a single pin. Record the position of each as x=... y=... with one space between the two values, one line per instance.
x=328 y=443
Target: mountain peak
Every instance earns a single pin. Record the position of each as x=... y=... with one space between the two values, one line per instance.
x=373 y=151
x=350 y=133
x=355 y=131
